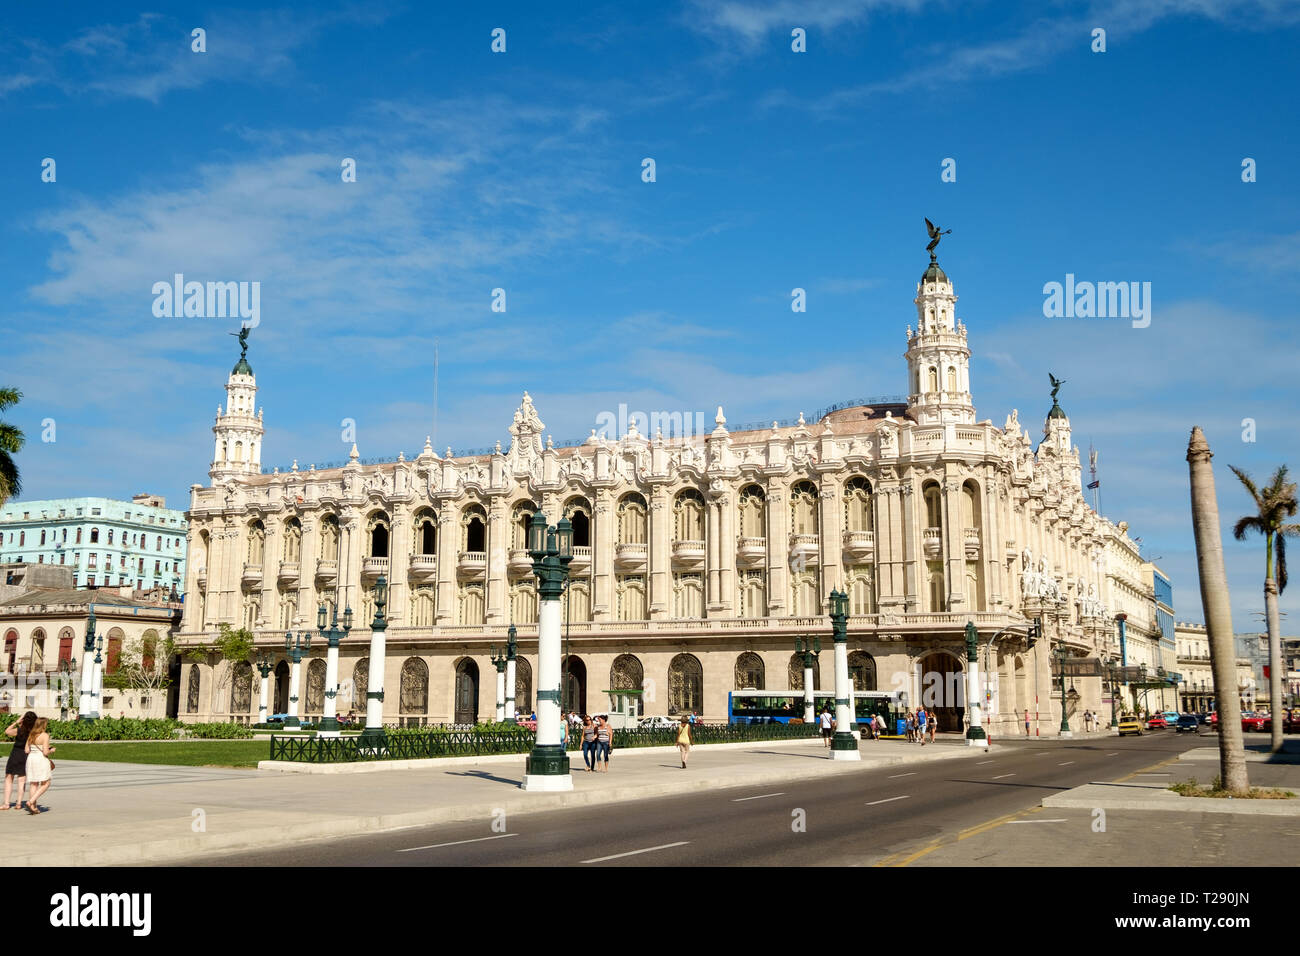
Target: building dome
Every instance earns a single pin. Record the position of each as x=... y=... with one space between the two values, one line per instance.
x=242 y=367
x=1056 y=412
x=933 y=273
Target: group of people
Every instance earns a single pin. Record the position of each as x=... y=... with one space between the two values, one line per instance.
x=871 y=726
x=597 y=738
x=29 y=762
x=921 y=726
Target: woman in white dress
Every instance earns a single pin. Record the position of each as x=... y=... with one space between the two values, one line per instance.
x=39 y=765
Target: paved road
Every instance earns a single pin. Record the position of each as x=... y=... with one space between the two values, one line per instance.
x=888 y=815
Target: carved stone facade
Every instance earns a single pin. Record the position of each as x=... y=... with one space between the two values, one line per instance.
x=700 y=558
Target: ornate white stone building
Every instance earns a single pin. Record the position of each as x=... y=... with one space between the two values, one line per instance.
x=699 y=561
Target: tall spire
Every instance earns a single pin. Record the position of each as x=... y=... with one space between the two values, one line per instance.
x=938 y=359
x=238 y=431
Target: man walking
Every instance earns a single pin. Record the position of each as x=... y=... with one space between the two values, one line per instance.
x=922 y=719
x=1026 y=721
x=827 y=727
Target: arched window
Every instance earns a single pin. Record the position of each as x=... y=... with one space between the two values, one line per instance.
x=38 y=651
x=329 y=537
x=110 y=536
x=414 y=695
x=952 y=379
x=78 y=536
x=423 y=607
x=934 y=379
x=685 y=686
x=66 y=641
x=937 y=601
x=360 y=682
x=252 y=611
x=473 y=522
x=749 y=672
x=378 y=535
x=804 y=599
x=256 y=543
x=523 y=602
x=315 y=702
x=632 y=519
x=288 y=609
x=970 y=505
x=688 y=515
x=241 y=688
x=933 y=504
x=627 y=673
x=795 y=672
x=471 y=602
x=292 y=540
x=861 y=593
x=578 y=598
x=753 y=593
x=803 y=508
x=94 y=536
x=631 y=598
x=857 y=504
x=192 y=691
x=752 y=504
x=426 y=532
x=688 y=595
x=523 y=686
x=578 y=511
x=519 y=518
x=862 y=671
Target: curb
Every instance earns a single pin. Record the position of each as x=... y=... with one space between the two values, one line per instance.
x=1084 y=798
x=266 y=837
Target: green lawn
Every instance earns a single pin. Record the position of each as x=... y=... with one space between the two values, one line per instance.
x=199 y=753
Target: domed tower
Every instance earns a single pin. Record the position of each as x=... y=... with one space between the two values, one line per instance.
x=238 y=432
x=938 y=360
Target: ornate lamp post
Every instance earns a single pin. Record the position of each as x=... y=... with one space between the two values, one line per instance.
x=551 y=549
x=844 y=745
x=499 y=661
x=1061 y=655
x=97 y=678
x=88 y=672
x=294 y=647
x=1120 y=618
x=809 y=648
x=512 y=655
x=374 y=732
x=329 y=724
x=976 y=736
x=263 y=668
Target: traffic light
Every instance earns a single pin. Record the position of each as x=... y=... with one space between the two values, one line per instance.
x=1035 y=632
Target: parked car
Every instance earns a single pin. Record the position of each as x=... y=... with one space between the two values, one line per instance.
x=1187 y=722
x=1157 y=722
x=656 y=723
x=1130 y=724
x=1253 y=722
x=1291 y=725
x=1172 y=717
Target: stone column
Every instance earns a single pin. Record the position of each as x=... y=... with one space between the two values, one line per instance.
x=605 y=531
x=271 y=554
x=913 y=557
x=659 y=555
x=829 y=532
x=308 y=551
x=497 y=545
x=954 y=547
x=399 y=556
x=777 y=513
x=448 y=542
x=723 y=532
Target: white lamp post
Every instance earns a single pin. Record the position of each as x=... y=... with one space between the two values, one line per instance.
x=294 y=647
x=263 y=668
x=512 y=654
x=551 y=549
x=844 y=745
x=329 y=725
x=499 y=662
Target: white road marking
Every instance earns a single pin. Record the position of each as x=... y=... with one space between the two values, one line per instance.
x=889 y=800
x=435 y=846
x=761 y=796
x=1058 y=820
x=1113 y=754
x=1001 y=775
x=895 y=776
x=983 y=762
x=649 y=849
x=1066 y=764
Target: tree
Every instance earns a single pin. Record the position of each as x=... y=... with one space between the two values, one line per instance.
x=11 y=443
x=143 y=665
x=1217 y=606
x=232 y=645
x=1273 y=505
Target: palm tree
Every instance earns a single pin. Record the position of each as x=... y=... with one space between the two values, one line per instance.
x=1273 y=504
x=11 y=442
x=1218 y=613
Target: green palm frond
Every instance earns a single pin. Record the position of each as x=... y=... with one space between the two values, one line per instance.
x=9 y=397
x=1247 y=524
x=1244 y=478
x=11 y=439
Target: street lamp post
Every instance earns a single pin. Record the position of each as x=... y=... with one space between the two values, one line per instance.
x=329 y=722
x=84 y=709
x=976 y=736
x=294 y=647
x=844 y=745
x=499 y=661
x=66 y=670
x=263 y=668
x=97 y=678
x=551 y=549
x=1061 y=653
x=374 y=733
x=512 y=655
x=809 y=647
x=1114 y=690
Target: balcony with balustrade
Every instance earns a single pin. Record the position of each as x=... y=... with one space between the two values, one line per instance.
x=805 y=548
x=581 y=562
x=971 y=540
x=472 y=564
x=751 y=552
x=252 y=574
x=327 y=569
x=289 y=572
x=629 y=556
x=932 y=543
x=423 y=567
x=519 y=561
x=372 y=567
x=202 y=577
x=859 y=544
x=688 y=554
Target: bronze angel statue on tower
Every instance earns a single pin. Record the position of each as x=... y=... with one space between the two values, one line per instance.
x=935 y=235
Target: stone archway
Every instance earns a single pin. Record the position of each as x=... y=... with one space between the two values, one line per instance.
x=466 y=699
x=574 y=695
x=943 y=689
x=281 y=688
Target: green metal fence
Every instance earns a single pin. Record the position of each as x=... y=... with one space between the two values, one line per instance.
x=411 y=745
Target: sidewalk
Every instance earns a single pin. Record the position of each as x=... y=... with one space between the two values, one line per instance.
x=114 y=814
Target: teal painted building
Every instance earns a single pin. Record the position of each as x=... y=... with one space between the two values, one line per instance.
x=139 y=543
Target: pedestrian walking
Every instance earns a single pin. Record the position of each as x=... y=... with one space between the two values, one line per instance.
x=880 y=725
x=39 y=764
x=604 y=741
x=684 y=740
x=827 y=727
x=1026 y=721
x=16 y=766
x=589 y=742
x=932 y=725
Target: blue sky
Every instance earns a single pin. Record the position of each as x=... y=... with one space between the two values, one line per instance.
x=775 y=170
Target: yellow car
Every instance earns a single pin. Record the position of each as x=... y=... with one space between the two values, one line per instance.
x=1130 y=724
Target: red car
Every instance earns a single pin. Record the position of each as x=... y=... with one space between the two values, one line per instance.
x=1253 y=723
x=1157 y=722
x=1290 y=726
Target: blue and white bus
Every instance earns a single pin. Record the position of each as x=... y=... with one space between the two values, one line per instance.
x=783 y=706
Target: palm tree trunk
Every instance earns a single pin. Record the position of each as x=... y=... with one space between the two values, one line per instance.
x=1275 y=663
x=1218 y=612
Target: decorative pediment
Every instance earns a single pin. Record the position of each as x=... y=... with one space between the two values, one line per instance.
x=525 y=438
